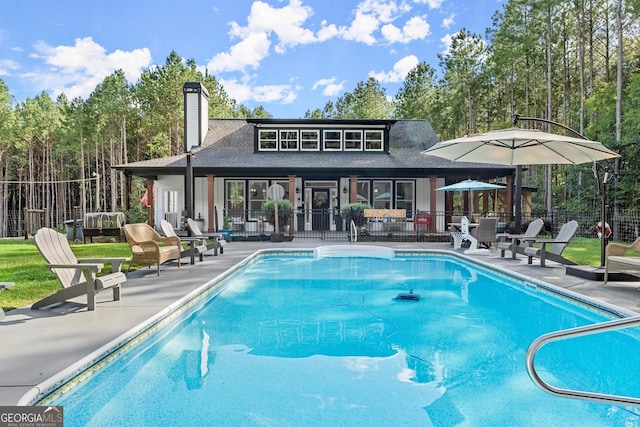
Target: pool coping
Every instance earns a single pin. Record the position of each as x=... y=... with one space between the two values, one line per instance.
x=67 y=378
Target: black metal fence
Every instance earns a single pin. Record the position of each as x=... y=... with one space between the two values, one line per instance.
x=324 y=224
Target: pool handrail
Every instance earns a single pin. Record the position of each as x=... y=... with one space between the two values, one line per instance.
x=575 y=332
x=354 y=231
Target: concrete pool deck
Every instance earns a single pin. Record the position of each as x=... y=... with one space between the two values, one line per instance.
x=37 y=344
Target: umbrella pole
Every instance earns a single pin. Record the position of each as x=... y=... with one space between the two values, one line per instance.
x=518 y=200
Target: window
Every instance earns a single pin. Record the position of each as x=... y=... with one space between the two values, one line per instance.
x=235 y=198
x=332 y=140
x=288 y=140
x=405 y=196
x=267 y=140
x=362 y=195
x=310 y=140
x=353 y=140
x=382 y=195
x=257 y=194
x=373 y=140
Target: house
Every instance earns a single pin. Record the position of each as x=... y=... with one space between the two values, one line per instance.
x=322 y=165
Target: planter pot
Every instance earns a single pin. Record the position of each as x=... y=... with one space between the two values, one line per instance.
x=227 y=234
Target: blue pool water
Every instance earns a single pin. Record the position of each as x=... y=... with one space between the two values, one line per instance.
x=301 y=340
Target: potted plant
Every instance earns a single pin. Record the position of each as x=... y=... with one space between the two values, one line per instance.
x=355 y=212
x=226 y=230
x=285 y=212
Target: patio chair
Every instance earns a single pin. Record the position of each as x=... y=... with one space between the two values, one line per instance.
x=520 y=241
x=77 y=276
x=149 y=247
x=552 y=248
x=218 y=243
x=464 y=234
x=197 y=245
x=619 y=259
x=485 y=232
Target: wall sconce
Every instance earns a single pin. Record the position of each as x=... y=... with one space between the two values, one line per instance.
x=297 y=190
x=344 y=190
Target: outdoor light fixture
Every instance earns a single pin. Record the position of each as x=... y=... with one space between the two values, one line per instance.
x=297 y=190
x=344 y=190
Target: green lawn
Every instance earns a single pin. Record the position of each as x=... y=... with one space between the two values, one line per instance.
x=20 y=262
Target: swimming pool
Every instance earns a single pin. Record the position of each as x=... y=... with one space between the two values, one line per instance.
x=318 y=338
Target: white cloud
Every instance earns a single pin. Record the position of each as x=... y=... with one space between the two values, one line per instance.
x=255 y=38
x=433 y=4
x=242 y=91
x=7 y=66
x=369 y=16
x=415 y=28
x=76 y=70
x=449 y=21
x=399 y=72
x=446 y=42
x=331 y=88
x=361 y=29
x=383 y=10
x=249 y=52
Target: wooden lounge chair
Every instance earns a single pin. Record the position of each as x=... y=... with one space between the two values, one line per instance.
x=218 y=241
x=149 y=247
x=197 y=245
x=520 y=241
x=77 y=276
x=618 y=258
x=552 y=248
x=485 y=232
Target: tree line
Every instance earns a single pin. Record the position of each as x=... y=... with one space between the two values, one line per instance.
x=573 y=62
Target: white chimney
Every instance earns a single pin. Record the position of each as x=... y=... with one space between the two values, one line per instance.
x=196 y=114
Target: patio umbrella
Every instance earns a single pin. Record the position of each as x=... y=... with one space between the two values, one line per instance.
x=515 y=146
x=470 y=185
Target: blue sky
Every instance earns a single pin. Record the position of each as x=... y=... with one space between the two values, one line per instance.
x=287 y=55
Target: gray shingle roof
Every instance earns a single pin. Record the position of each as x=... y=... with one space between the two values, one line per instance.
x=228 y=150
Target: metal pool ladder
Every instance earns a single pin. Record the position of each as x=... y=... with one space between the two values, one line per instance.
x=575 y=332
x=354 y=232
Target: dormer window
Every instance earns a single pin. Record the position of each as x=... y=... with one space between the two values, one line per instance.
x=328 y=136
x=353 y=140
x=332 y=140
x=288 y=140
x=309 y=140
x=268 y=140
x=373 y=140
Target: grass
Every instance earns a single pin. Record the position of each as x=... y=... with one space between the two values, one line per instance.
x=20 y=262
x=583 y=251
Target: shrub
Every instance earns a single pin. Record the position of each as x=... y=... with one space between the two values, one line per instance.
x=355 y=212
x=285 y=211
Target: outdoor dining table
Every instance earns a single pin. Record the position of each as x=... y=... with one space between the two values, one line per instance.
x=458 y=225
